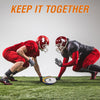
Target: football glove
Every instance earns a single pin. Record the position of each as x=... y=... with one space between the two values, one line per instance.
x=40 y=79
x=58 y=62
x=31 y=62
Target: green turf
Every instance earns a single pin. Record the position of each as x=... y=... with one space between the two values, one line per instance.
x=68 y=88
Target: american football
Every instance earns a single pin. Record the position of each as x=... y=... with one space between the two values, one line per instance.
x=49 y=80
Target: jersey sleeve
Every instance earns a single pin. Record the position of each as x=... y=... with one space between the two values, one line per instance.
x=32 y=48
x=29 y=45
x=74 y=60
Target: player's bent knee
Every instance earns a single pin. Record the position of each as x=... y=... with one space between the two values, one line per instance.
x=26 y=64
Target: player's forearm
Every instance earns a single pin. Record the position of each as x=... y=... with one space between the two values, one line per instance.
x=74 y=60
x=71 y=63
x=37 y=70
x=65 y=60
x=36 y=66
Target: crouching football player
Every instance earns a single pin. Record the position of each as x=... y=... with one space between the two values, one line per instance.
x=83 y=57
x=20 y=54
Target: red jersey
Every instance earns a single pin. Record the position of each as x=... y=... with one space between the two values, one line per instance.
x=32 y=48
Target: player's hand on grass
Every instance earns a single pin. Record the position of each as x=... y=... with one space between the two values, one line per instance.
x=31 y=62
x=41 y=79
x=58 y=62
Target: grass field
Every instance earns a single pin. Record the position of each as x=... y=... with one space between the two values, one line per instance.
x=68 y=88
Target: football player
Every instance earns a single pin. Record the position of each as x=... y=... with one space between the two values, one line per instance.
x=83 y=57
x=23 y=54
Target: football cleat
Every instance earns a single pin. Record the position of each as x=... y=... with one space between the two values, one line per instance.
x=93 y=76
x=5 y=81
x=57 y=78
x=11 y=78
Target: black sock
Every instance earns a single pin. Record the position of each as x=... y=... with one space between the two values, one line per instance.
x=86 y=70
x=15 y=72
x=8 y=73
x=94 y=68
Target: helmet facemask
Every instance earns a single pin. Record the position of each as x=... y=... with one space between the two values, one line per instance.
x=60 y=47
x=61 y=43
x=43 y=47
